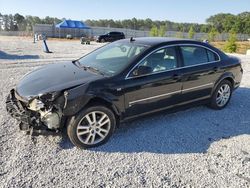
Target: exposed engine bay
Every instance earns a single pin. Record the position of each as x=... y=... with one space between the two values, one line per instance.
x=41 y=114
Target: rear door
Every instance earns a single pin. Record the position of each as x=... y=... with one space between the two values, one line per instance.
x=199 y=73
x=113 y=36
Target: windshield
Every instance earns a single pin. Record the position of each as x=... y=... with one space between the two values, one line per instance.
x=112 y=58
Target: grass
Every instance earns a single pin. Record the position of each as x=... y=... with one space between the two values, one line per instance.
x=242 y=47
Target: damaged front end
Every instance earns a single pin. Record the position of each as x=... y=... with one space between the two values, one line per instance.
x=37 y=115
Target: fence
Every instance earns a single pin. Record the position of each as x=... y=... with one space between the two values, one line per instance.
x=52 y=31
x=16 y=33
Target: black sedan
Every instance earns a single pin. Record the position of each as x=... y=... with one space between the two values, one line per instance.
x=110 y=37
x=120 y=81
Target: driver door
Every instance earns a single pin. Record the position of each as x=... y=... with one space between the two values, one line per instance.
x=156 y=89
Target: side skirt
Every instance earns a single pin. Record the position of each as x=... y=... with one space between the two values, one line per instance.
x=172 y=108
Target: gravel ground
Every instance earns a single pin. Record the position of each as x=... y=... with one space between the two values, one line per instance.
x=198 y=147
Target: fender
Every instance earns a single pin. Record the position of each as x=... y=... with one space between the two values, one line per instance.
x=226 y=75
x=113 y=101
x=73 y=106
x=92 y=99
x=75 y=99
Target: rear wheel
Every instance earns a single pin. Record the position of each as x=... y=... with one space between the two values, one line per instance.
x=221 y=95
x=103 y=40
x=92 y=127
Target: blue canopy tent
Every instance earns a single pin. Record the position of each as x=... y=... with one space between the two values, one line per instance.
x=72 y=24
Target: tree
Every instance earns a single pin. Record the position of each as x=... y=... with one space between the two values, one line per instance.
x=244 y=22
x=220 y=22
x=217 y=21
x=12 y=23
x=37 y=20
x=134 y=21
x=127 y=24
x=212 y=34
x=1 y=21
x=162 y=31
x=20 y=21
x=226 y=22
x=19 y=18
x=179 y=34
x=205 y=28
x=29 y=23
x=191 y=32
x=231 y=45
x=148 y=23
x=6 y=22
x=154 y=31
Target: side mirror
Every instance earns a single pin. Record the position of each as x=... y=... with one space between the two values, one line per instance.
x=142 y=70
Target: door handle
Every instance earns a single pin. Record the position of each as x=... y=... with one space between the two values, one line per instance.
x=214 y=69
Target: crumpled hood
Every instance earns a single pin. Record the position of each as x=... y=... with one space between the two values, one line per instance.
x=54 y=77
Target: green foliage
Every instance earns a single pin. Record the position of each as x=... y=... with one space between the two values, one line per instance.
x=221 y=22
x=225 y=22
x=191 y=32
x=162 y=31
x=158 y=32
x=19 y=18
x=212 y=34
x=231 y=45
x=154 y=31
x=21 y=23
x=205 y=28
x=179 y=35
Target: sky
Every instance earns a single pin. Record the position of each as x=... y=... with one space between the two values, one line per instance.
x=191 y=11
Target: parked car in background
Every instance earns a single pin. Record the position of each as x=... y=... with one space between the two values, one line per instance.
x=120 y=81
x=69 y=36
x=110 y=37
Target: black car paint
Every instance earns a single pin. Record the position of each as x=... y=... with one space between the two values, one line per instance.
x=120 y=92
x=81 y=87
x=111 y=37
x=54 y=77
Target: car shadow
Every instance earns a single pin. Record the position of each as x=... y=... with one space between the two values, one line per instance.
x=190 y=131
x=4 y=55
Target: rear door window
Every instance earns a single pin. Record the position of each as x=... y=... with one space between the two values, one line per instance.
x=195 y=55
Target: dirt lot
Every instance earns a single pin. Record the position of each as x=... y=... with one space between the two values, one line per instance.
x=198 y=147
x=242 y=47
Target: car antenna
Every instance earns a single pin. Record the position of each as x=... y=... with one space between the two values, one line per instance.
x=132 y=39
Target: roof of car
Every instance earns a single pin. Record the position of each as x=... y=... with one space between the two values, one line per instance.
x=151 y=41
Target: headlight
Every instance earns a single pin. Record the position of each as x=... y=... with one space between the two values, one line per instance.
x=51 y=120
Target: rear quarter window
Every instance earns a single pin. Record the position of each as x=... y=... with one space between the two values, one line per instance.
x=195 y=55
x=212 y=56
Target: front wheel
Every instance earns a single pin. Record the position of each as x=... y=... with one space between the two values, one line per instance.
x=221 y=95
x=91 y=127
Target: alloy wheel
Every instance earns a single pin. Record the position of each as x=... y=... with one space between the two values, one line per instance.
x=223 y=95
x=93 y=127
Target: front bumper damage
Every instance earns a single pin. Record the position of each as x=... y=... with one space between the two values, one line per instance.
x=30 y=121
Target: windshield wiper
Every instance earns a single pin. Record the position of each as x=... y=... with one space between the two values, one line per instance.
x=93 y=69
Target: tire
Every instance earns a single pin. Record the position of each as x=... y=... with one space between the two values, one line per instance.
x=84 y=132
x=103 y=40
x=222 y=95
